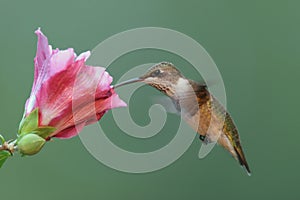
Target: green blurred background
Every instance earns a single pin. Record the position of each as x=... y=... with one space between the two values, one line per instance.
x=255 y=45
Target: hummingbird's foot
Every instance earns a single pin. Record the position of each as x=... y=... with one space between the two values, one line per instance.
x=202 y=138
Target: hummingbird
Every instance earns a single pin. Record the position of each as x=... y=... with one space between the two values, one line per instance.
x=200 y=109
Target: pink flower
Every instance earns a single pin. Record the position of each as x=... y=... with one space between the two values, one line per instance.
x=68 y=94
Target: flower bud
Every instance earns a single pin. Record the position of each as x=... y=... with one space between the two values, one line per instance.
x=30 y=144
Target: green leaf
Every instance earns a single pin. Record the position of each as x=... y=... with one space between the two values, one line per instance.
x=3 y=156
x=44 y=131
x=29 y=123
x=2 y=140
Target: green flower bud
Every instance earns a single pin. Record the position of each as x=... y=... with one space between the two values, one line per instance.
x=30 y=144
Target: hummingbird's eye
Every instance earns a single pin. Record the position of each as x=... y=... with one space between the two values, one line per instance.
x=156 y=73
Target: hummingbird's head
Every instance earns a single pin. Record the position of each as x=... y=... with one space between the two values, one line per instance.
x=163 y=76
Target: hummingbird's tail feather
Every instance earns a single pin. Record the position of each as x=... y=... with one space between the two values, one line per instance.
x=241 y=158
x=234 y=145
x=235 y=149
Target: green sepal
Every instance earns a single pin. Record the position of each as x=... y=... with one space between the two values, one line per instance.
x=44 y=131
x=29 y=123
x=3 y=156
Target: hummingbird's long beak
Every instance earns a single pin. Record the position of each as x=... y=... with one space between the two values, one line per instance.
x=134 y=80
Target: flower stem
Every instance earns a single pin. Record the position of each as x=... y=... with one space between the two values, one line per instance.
x=9 y=146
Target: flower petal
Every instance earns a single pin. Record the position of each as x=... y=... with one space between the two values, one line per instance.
x=70 y=132
x=84 y=56
x=69 y=94
x=92 y=97
x=43 y=52
x=55 y=95
x=47 y=64
x=59 y=62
